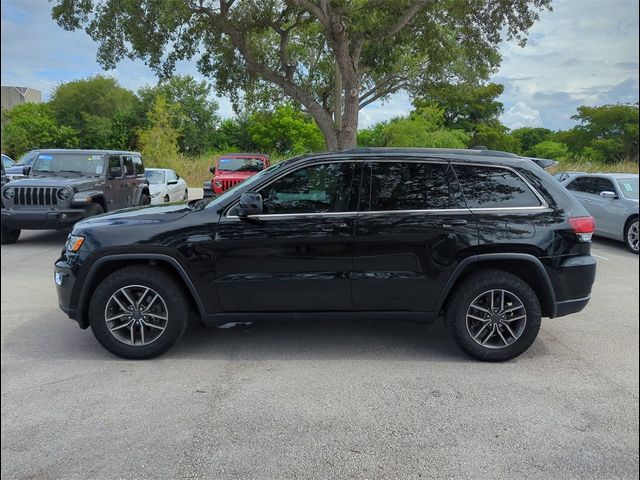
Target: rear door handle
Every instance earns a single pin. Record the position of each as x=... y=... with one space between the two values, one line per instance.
x=450 y=222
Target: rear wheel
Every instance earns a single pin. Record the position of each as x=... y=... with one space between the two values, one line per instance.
x=493 y=316
x=185 y=197
x=631 y=235
x=138 y=312
x=9 y=235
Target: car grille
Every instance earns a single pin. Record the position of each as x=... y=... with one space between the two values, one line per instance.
x=35 y=197
x=227 y=184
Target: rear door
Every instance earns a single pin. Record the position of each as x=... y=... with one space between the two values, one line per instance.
x=297 y=255
x=131 y=182
x=116 y=190
x=412 y=230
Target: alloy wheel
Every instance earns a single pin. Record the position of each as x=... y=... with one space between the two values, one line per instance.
x=496 y=319
x=632 y=236
x=136 y=315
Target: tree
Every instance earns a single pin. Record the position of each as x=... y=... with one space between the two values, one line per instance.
x=495 y=137
x=550 y=149
x=464 y=105
x=32 y=125
x=611 y=130
x=232 y=134
x=102 y=112
x=331 y=57
x=159 y=141
x=195 y=115
x=529 y=136
x=286 y=130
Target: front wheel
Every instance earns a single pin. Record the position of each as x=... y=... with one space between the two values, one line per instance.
x=145 y=199
x=631 y=235
x=138 y=312
x=9 y=235
x=493 y=316
x=185 y=197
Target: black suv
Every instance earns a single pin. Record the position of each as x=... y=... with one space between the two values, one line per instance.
x=65 y=186
x=486 y=238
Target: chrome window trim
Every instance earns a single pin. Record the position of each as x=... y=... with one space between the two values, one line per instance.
x=540 y=198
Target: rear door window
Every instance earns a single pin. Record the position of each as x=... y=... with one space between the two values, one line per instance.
x=494 y=187
x=603 y=185
x=582 y=184
x=395 y=186
x=128 y=166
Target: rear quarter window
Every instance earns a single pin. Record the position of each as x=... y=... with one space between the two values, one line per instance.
x=494 y=187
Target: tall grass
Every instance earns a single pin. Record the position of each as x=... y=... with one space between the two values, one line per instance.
x=195 y=170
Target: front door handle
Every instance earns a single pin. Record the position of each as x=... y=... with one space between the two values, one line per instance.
x=450 y=222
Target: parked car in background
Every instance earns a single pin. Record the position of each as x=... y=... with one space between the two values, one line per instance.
x=3 y=176
x=65 y=186
x=165 y=185
x=234 y=168
x=612 y=200
x=486 y=238
x=18 y=170
x=562 y=176
x=7 y=162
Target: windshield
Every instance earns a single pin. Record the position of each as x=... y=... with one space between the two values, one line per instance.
x=27 y=158
x=6 y=161
x=233 y=164
x=629 y=187
x=78 y=162
x=247 y=183
x=155 y=177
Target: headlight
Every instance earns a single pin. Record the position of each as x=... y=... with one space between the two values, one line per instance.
x=8 y=193
x=64 y=193
x=217 y=183
x=74 y=242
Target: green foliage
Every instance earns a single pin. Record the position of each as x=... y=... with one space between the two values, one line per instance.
x=159 y=140
x=32 y=125
x=496 y=137
x=194 y=114
x=102 y=112
x=372 y=136
x=464 y=105
x=232 y=134
x=285 y=130
x=529 y=136
x=550 y=149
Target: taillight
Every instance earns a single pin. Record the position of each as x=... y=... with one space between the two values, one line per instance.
x=583 y=227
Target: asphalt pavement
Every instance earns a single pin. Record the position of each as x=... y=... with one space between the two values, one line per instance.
x=363 y=400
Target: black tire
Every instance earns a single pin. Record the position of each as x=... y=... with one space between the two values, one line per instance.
x=185 y=197
x=166 y=199
x=95 y=209
x=171 y=293
x=9 y=235
x=145 y=199
x=471 y=289
x=632 y=223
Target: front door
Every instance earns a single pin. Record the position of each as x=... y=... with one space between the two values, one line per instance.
x=297 y=255
x=412 y=228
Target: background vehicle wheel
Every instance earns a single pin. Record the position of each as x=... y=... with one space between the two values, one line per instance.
x=493 y=315
x=185 y=197
x=631 y=235
x=9 y=235
x=94 y=209
x=145 y=199
x=166 y=199
x=138 y=312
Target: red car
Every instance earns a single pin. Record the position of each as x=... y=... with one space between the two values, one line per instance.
x=234 y=168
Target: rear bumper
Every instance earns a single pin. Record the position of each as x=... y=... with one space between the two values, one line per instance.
x=41 y=219
x=572 y=282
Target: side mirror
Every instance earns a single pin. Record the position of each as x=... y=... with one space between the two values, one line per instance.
x=212 y=169
x=26 y=170
x=172 y=182
x=608 y=194
x=115 y=172
x=250 y=204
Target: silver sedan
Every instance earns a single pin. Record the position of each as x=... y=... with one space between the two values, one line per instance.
x=612 y=199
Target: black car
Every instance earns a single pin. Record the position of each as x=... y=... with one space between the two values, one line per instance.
x=65 y=186
x=486 y=238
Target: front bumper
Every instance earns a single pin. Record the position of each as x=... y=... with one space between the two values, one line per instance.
x=65 y=280
x=41 y=219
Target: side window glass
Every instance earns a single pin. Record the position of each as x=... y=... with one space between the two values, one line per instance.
x=138 y=166
x=324 y=188
x=582 y=184
x=128 y=166
x=171 y=175
x=603 y=185
x=494 y=187
x=115 y=167
x=408 y=186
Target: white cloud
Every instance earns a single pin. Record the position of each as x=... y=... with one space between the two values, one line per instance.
x=521 y=115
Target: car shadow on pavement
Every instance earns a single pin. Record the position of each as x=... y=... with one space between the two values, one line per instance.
x=42 y=238
x=52 y=336
x=614 y=245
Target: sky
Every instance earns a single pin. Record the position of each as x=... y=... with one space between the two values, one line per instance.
x=584 y=52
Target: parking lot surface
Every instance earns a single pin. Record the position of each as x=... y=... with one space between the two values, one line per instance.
x=317 y=399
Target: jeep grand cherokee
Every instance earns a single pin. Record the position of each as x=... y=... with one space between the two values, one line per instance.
x=486 y=238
